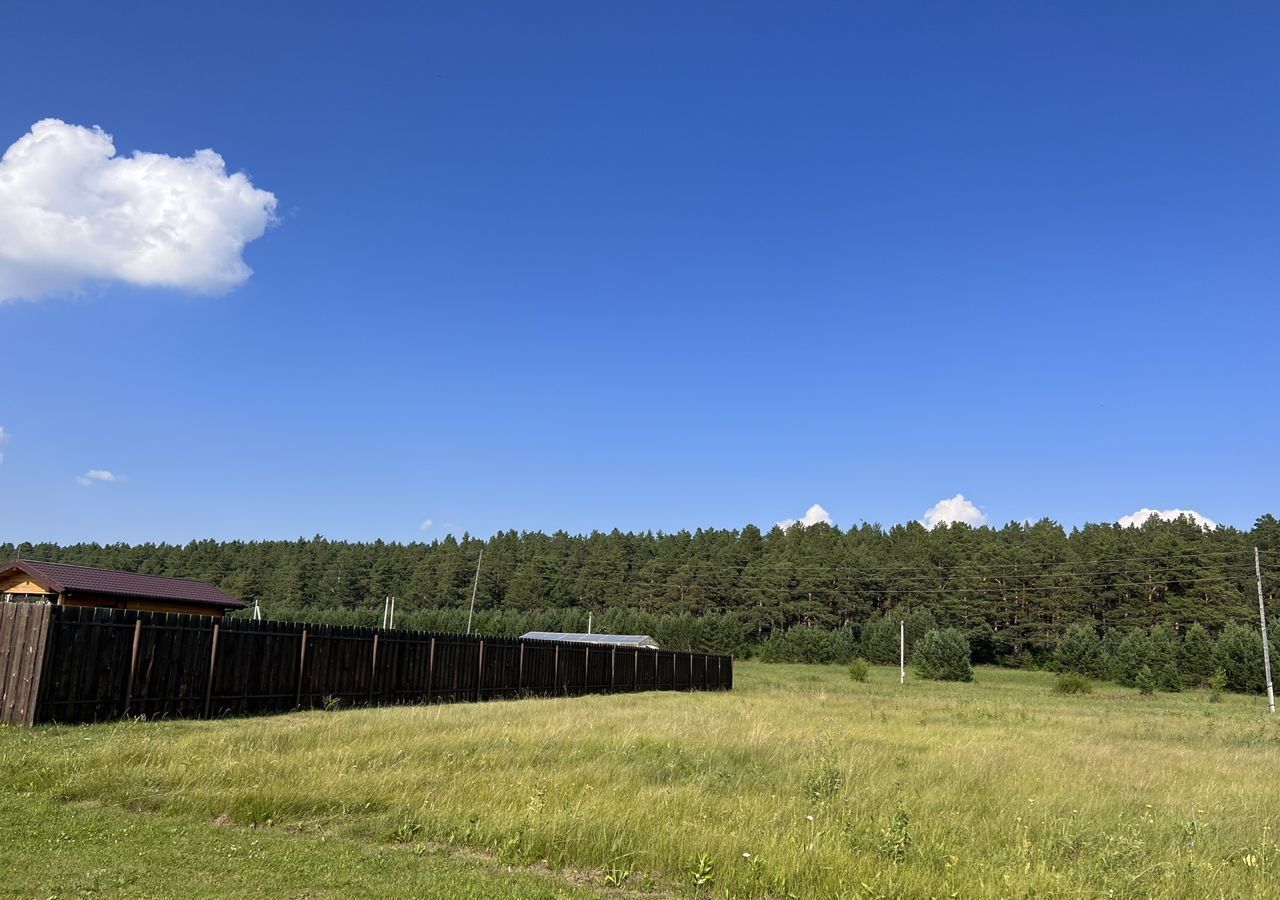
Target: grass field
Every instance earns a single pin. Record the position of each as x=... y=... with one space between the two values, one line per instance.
x=799 y=783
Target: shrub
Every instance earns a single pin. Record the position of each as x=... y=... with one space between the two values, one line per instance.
x=1217 y=684
x=1168 y=678
x=943 y=655
x=808 y=645
x=1145 y=681
x=1080 y=652
x=859 y=669
x=1072 y=683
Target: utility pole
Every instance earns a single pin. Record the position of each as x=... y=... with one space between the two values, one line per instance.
x=1266 y=647
x=391 y=620
x=474 y=587
x=589 y=616
x=386 y=610
x=902 y=652
x=257 y=611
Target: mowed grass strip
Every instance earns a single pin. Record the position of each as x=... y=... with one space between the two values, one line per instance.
x=800 y=782
x=51 y=850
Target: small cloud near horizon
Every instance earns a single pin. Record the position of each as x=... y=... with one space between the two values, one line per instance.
x=94 y=476
x=952 y=510
x=1140 y=517
x=813 y=515
x=73 y=213
x=425 y=525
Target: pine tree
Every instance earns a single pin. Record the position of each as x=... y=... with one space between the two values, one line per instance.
x=1239 y=653
x=880 y=640
x=919 y=622
x=943 y=655
x=1196 y=659
x=1165 y=652
x=1145 y=681
x=1080 y=651
x=1131 y=656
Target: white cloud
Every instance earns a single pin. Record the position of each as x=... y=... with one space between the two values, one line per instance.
x=3 y=437
x=425 y=526
x=95 y=475
x=1141 y=516
x=72 y=212
x=812 y=516
x=952 y=510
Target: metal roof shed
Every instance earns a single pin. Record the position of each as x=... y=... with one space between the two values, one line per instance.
x=613 y=640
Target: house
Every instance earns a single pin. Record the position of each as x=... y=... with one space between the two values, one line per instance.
x=33 y=581
x=612 y=640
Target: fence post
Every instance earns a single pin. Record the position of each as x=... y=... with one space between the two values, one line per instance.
x=635 y=678
x=133 y=665
x=613 y=668
x=555 y=679
x=586 y=670
x=213 y=662
x=480 y=669
x=690 y=670
x=373 y=666
x=520 y=674
x=302 y=662
x=431 y=668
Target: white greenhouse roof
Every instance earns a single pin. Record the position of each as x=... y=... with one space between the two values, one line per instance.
x=617 y=640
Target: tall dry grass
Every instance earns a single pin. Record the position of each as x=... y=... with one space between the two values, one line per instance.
x=800 y=782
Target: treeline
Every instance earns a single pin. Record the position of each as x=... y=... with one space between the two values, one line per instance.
x=1160 y=658
x=1012 y=591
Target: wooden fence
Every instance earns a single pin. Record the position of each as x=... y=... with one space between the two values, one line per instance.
x=77 y=664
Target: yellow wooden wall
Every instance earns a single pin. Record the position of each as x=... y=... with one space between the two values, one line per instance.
x=20 y=583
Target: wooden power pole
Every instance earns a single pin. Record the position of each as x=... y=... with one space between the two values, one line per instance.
x=902 y=652
x=1266 y=646
x=475 y=585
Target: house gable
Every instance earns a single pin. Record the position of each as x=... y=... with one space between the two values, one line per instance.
x=18 y=582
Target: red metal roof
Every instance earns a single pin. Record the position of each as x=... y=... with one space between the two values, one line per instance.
x=63 y=577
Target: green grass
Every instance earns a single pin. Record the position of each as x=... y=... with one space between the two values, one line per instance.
x=800 y=782
x=50 y=849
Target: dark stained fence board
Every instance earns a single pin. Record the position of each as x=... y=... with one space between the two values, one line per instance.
x=666 y=671
x=76 y=664
x=24 y=630
x=625 y=669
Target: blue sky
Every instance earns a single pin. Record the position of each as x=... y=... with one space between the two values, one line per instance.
x=651 y=266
